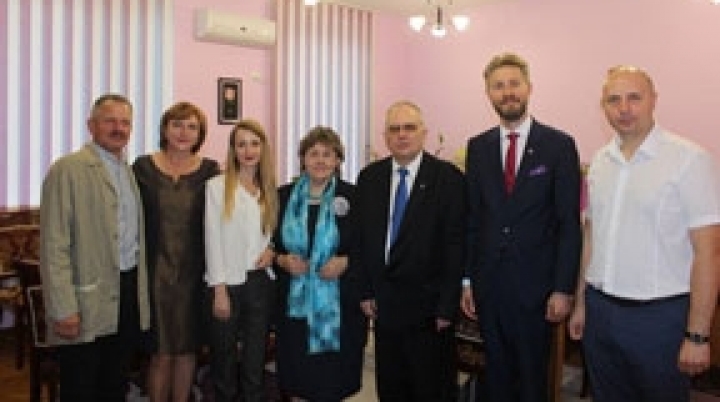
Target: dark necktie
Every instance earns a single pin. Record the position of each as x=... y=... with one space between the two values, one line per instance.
x=510 y=159
x=401 y=196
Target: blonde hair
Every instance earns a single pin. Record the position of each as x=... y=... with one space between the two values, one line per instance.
x=265 y=176
x=507 y=60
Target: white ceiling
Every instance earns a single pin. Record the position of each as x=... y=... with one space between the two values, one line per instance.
x=409 y=7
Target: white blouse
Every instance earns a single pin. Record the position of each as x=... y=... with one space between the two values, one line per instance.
x=232 y=246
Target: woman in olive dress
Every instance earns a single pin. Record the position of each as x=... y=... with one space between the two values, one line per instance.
x=172 y=185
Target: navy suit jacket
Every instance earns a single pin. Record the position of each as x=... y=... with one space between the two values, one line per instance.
x=535 y=231
x=421 y=279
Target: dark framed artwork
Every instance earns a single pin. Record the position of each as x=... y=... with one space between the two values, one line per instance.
x=229 y=100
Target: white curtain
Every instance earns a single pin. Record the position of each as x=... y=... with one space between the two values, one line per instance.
x=57 y=57
x=324 y=58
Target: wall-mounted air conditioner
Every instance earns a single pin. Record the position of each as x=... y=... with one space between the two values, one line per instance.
x=232 y=29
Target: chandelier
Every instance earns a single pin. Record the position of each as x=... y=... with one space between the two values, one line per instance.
x=439 y=21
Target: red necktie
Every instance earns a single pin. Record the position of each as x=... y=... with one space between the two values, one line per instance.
x=510 y=163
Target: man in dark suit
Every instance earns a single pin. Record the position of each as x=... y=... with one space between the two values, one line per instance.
x=523 y=183
x=413 y=268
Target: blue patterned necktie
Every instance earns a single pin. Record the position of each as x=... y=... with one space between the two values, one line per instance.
x=401 y=197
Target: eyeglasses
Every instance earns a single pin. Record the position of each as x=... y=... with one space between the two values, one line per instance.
x=407 y=127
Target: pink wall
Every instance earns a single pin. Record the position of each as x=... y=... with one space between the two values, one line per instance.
x=569 y=45
x=199 y=64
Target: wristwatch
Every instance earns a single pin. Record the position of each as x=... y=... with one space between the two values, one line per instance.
x=697 y=338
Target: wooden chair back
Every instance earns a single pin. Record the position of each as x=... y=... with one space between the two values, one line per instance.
x=44 y=369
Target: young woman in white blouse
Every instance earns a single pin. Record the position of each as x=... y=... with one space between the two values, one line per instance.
x=240 y=216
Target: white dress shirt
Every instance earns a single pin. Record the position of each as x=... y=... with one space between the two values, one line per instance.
x=232 y=246
x=641 y=212
x=523 y=130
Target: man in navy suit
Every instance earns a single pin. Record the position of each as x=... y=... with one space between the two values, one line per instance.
x=523 y=185
x=412 y=270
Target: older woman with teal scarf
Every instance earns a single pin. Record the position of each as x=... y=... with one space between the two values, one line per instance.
x=321 y=331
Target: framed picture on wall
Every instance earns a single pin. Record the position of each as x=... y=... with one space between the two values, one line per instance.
x=229 y=100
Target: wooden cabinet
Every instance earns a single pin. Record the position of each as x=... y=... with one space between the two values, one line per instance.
x=19 y=235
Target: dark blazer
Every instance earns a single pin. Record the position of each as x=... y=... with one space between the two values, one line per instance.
x=421 y=280
x=334 y=375
x=537 y=226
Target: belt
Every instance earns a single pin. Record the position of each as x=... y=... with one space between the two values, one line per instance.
x=261 y=271
x=623 y=301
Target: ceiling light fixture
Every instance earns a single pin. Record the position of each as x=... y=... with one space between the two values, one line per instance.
x=438 y=28
x=311 y=2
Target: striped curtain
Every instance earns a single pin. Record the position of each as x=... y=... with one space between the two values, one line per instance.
x=324 y=56
x=57 y=57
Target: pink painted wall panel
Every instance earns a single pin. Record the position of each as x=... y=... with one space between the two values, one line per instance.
x=569 y=45
x=199 y=64
x=390 y=71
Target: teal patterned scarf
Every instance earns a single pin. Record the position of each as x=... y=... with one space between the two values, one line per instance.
x=310 y=296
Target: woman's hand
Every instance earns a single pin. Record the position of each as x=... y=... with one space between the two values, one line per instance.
x=293 y=264
x=265 y=259
x=335 y=267
x=221 y=303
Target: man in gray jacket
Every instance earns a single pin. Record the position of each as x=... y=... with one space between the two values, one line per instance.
x=93 y=258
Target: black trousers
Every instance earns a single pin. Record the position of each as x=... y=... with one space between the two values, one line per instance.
x=97 y=371
x=418 y=364
x=517 y=345
x=251 y=306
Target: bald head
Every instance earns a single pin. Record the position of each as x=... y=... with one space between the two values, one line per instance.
x=625 y=70
x=629 y=102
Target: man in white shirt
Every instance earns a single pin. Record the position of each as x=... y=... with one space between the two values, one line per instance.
x=648 y=291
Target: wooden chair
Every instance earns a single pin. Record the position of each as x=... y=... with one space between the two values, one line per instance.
x=20 y=242
x=43 y=365
x=44 y=369
x=470 y=357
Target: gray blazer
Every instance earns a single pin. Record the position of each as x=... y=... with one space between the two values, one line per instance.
x=79 y=261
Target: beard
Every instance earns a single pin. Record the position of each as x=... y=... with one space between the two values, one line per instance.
x=511 y=113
